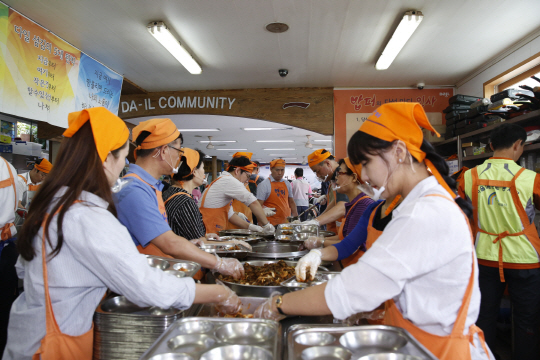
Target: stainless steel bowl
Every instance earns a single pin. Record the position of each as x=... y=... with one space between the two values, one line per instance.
x=189 y=267
x=245 y=332
x=237 y=352
x=178 y=274
x=158 y=263
x=191 y=343
x=390 y=356
x=302 y=236
x=325 y=233
x=226 y=250
x=195 y=327
x=326 y=352
x=171 y=356
x=315 y=339
x=306 y=228
x=378 y=340
x=320 y=278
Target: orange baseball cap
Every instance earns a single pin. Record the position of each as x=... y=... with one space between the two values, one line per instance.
x=162 y=132
x=241 y=153
x=110 y=132
x=317 y=157
x=44 y=166
x=403 y=121
x=277 y=162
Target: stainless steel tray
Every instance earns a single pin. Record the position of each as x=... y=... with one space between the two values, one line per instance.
x=320 y=278
x=218 y=338
x=251 y=239
x=256 y=290
x=249 y=305
x=308 y=342
x=190 y=268
x=121 y=305
x=288 y=239
x=325 y=233
x=289 y=229
x=227 y=250
x=276 y=250
x=245 y=232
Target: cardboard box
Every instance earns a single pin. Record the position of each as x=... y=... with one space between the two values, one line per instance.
x=469 y=144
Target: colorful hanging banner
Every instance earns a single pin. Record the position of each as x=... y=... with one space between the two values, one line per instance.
x=44 y=78
x=352 y=107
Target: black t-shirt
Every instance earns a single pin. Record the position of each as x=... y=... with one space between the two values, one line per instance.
x=254 y=181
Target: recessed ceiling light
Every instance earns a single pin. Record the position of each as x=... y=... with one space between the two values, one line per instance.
x=218 y=141
x=323 y=140
x=231 y=149
x=186 y=130
x=273 y=141
x=256 y=129
x=279 y=149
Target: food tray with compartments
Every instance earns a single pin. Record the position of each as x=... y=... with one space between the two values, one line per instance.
x=179 y=268
x=321 y=277
x=370 y=342
x=218 y=338
x=291 y=229
x=237 y=251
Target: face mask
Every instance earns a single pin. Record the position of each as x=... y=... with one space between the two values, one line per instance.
x=174 y=169
x=120 y=184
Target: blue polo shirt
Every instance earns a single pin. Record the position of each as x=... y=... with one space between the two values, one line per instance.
x=138 y=209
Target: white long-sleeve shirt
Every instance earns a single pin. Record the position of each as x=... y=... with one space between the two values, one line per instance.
x=8 y=202
x=97 y=254
x=422 y=260
x=23 y=196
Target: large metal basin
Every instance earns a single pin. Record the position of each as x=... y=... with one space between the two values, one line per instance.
x=276 y=250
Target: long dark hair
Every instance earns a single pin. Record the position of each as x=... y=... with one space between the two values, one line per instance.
x=362 y=144
x=79 y=168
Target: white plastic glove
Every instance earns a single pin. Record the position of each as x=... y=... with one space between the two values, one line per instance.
x=242 y=216
x=265 y=310
x=319 y=199
x=311 y=261
x=256 y=228
x=296 y=222
x=269 y=228
x=212 y=236
x=269 y=211
x=197 y=242
x=313 y=242
x=311 y=222
x=229 y=302
x=229 y=266
x=240 y=242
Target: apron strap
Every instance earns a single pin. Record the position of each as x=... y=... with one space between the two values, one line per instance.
x=12 y=183
x=5 y=231
x=176 y=194
x=207 y=190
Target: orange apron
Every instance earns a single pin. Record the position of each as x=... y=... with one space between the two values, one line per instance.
x=529 y=229
x=239 y=206
x=449 y=347
x=152 y=249
x=278 y=199
x=176 y=194
x=215 y=220
x=5 y=231
x=332 y=226
x=55 y=345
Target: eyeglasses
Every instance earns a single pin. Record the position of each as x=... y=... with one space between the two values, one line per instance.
x=246 y=172
x=338 y=173
x=179 y=150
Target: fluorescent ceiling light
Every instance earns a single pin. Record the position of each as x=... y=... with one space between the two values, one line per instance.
x=323 y=140
x=290 y=158
x=274 y=141
x=280 y=154
x=255 y=129
x=159 y=30
x=185 y=130
x=218 y=141
x=405 y=29
x=278 y=149
x=231 y=149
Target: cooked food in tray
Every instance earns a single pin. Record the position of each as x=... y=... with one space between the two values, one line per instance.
x=266 y=275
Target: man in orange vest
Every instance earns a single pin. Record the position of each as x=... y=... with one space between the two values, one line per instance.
x=504 y=197
x=31 y=180
x=275 y=192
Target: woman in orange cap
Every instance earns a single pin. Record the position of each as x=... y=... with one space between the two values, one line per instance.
x=31 y=180
x=423 y=265
x=73 y=249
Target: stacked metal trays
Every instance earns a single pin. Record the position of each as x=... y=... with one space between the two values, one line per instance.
x=321 y=277
x=227 y=250
x=217 y=338
x=277 y=250
x=246 y=233
x=291 y=229
x=251 y=239
x=371 y=342
x=256 y=290
x=175 y=267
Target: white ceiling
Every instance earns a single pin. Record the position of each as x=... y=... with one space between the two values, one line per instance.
x=231 y=129
x=329 y=43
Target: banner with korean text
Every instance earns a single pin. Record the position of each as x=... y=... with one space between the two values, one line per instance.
x=353 y=106
x=44 y=78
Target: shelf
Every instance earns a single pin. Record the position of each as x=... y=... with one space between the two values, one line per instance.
x=490 y=154
x=516 y=120
x=445 y=142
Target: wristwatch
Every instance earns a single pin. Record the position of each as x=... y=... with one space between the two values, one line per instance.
x=279 y=302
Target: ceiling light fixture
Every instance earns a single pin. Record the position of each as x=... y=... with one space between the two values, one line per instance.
x=322 y=140
x=159 y=30
x=404 y=31
x=262 y=129
x=308 y=144
x=210 y=145
x=186 y=130
x=231 y=149
x=274 y=141
x=279 y=149
x=304 y=162
x=218 y=141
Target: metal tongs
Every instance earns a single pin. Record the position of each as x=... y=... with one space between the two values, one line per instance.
x=294 y=218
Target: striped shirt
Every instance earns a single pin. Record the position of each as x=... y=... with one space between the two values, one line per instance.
x=183 y=214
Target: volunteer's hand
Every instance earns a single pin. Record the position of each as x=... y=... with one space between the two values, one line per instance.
x=309 y=262
x=320 y=200
x=269 y=228
x=265 y=310
x=212 y=236
x=240 y=242
x=229 y=266
x=256 y=228
x=242 y=216
x=228 y=301
x=313 y=242
x=311 y=222
x=269 y=211
x=296 y=222
x=197 y=242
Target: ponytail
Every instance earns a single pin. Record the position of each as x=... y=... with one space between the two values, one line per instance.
x=442 y=167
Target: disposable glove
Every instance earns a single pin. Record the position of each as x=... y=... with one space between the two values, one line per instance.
x=309 y=262
x=240 y=242
x=197 y=242
x=311 y=222
x=264 y=311
x=212 y=236
x=269 y=211
x=229 y=302
x=242 y=216
x=255 y=228
x=320 y=200
x=269 y=229
x=229 y=266
x=313 y=242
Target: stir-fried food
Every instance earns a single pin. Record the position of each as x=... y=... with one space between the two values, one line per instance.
x=266 y=275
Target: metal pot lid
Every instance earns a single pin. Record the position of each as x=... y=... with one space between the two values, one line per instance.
x=276 y=250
